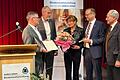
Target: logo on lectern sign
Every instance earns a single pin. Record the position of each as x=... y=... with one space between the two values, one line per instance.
x=19 y=71
x=25 y=70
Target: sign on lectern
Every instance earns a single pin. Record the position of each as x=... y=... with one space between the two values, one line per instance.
x=17 y=61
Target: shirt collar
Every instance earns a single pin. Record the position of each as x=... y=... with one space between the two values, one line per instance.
x=32 y=26
x=93 y=21
x=44 y=19
x=113 y=25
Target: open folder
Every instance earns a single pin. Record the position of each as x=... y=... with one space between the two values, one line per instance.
x=50 y=45
x=47 y=44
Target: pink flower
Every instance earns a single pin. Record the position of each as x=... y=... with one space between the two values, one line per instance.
x=64 y=40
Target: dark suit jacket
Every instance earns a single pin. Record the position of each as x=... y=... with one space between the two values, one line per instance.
x=98 y=37
x=113 y=52
x=48 y=57
x=77 y=35
x=41 y=29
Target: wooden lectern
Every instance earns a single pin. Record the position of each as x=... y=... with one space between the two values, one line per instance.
x=15 y=55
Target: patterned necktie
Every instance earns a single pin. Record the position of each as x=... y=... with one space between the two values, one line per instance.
x=86 y=35
x=107 y=38
x=88 y=29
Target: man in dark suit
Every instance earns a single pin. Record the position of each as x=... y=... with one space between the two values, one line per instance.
x=31 y=35
x=93 y=43
x=47 y=29
x=113 y=46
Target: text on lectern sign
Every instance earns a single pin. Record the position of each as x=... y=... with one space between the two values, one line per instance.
x=19 y=71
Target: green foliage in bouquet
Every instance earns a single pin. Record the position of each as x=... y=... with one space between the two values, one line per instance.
x=64 y=38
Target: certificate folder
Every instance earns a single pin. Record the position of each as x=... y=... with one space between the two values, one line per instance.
x=50 y=45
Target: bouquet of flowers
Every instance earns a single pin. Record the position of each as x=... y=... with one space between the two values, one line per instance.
x=64 y=39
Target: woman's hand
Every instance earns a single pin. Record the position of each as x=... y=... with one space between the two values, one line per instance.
x=75 y=47
x=117 y=63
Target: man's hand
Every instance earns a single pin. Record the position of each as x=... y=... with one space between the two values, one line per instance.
x=44 y=50
x=56 y=53
x=86 y=40
x=117 y=63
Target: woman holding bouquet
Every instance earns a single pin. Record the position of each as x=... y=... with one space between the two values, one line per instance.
x=73 y=54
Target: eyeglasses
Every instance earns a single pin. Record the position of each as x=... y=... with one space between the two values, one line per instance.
x=36 y=17
x=88 y=14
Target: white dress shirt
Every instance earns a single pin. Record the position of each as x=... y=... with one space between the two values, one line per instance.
x=47 y=29
x=87 y=45
x=91 y=27
x=113 y=25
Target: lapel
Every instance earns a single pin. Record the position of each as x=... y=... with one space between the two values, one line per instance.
x=93 y=29
x=85 y=26
x=41 y=29
x=113 y=31
x=33 y=33
x=52 y=28
x=50 y=23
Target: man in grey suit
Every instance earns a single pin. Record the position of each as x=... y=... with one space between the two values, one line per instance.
x=93 y=43
x=47 y=30
x=112 y=46
x=31 y=35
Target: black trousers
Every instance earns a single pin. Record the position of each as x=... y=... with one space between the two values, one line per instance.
x=90 y=64
x=48 y=58
x=113 y=73
x=72 y=56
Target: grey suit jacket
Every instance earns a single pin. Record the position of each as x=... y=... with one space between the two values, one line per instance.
x=29 y=36
x=113 y=52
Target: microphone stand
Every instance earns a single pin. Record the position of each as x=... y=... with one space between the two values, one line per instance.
x=9 y=33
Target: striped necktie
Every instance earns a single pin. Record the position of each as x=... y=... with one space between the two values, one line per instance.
x=87 y=31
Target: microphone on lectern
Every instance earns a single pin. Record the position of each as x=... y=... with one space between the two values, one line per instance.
x=18 y=26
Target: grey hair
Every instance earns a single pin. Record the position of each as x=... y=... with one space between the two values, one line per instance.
x=45 y=8
x=114 y=13
x=31 y=14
